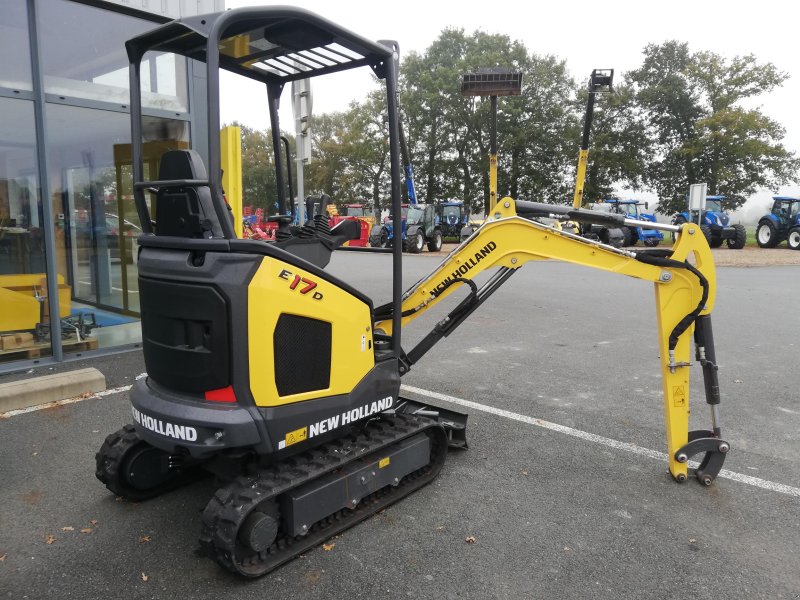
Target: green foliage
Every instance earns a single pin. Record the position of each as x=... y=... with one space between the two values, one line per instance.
x=677 y=119
x=449 y=134
x=620 y=146
x=701 y=134
x=259 y=187
x=350 y=161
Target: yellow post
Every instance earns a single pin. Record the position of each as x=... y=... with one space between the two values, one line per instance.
x=230 y=141
x=492 y=182
x=583 y=158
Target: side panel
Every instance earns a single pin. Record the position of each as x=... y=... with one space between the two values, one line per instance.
x=321 y=322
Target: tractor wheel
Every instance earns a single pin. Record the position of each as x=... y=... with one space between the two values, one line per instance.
x=715 y=241
x=436 y=242
x=418 y=243
x=627 y=238
x=706 y=231
x=739 y=239
x=767 y=235
x=794 y=238
x=677 y=221
x=634 y=235
x=651 y=242
x=380 y=240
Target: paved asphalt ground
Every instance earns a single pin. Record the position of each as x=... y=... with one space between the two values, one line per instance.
x=552 y=515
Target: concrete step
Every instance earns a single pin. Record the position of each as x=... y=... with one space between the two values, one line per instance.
x=50 y=388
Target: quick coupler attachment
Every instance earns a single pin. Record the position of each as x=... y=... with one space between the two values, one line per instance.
x=454 y=423
x=703 y=440
x=715 y=450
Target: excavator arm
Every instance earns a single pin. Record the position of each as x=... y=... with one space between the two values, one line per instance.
x=685 y=288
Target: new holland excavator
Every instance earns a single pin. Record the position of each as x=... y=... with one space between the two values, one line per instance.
x=283 y=381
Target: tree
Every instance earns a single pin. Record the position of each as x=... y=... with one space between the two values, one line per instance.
x=702 y=132
x=350 y=152
x=620 y=146
x=449 y=134
x=325 y=170
x=259 y=184
x=366 y=144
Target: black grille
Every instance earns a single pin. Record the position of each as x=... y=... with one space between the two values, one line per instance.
x=302 y=355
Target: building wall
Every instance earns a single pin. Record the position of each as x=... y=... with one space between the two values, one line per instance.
x=174 y=8
x=68 y=224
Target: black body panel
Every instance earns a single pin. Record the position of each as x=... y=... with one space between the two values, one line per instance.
x=206 y=281
x=185 y=335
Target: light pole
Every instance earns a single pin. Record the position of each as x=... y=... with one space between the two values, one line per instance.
x=492 y=82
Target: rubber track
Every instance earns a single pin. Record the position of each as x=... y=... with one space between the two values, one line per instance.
x=108 y=462
x=227 y=510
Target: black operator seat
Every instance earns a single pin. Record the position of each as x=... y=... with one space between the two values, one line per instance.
x=185 y=210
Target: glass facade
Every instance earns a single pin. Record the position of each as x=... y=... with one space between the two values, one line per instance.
x=23 y=280
x=101 y=73
x=15 y=74
x=80 y=83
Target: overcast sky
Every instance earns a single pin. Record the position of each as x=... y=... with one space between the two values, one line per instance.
x=588 y=35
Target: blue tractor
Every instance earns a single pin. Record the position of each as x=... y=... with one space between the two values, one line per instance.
x=782 y=223
x=419 y=223
x=631 y=209
x=453 y=218
x=382 y=234
x=715 y=224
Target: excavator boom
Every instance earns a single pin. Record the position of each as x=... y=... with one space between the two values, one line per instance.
x=685 y=288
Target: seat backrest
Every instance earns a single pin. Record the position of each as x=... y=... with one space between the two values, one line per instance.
x=185 y=211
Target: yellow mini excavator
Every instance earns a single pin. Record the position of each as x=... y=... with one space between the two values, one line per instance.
x=283 y=381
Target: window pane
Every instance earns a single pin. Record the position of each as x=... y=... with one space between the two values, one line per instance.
x=15 y=73
x=24 y=331
x=83 y=55
x=89 y=155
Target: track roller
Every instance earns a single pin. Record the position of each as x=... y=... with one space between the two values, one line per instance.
x=132 y=468
x=258 y=522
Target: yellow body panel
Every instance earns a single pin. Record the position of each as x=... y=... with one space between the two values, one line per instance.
x=270 y=294
x=507 y=240
x=230 y=145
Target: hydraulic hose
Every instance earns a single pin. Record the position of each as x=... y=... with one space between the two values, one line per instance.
x=683 y=324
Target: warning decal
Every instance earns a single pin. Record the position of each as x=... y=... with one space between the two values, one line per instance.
x=298 y=435
x=678 y=396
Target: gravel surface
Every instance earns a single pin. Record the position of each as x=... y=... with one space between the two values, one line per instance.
x=753 y=256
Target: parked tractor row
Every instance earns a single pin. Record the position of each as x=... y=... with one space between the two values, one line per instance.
x=432 y=224
x=425 y=225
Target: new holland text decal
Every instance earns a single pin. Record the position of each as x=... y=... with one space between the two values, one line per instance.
x=178 y=432
x=331 y=423
x=464 y=268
